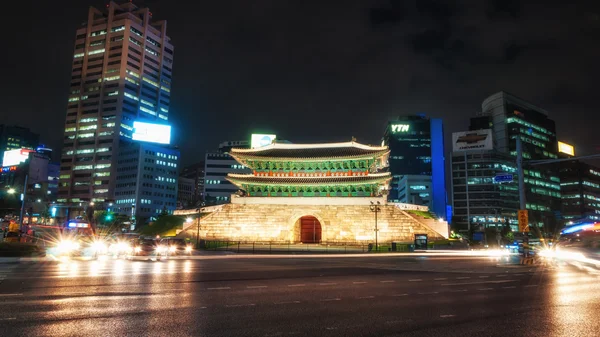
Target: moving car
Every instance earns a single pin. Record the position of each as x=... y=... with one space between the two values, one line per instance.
x=149 y=248
x=176 y=247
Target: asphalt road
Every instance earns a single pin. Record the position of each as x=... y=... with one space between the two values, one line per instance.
x=297 y=296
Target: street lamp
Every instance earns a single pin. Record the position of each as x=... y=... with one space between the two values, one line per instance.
x=375 y=209
x=11 y=191
x=198 y=230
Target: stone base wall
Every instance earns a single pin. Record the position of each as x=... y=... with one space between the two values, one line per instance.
x=339 y=223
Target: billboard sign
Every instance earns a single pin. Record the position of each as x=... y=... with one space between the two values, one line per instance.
x=15 y=157
x=472 y=140
x=260 y=140
x=152 y=133
x=503 y=178
x=566 y=149
x=399 y=128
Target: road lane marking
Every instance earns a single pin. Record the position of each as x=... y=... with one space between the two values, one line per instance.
x=485 y=289
x=458 y=291
x=511 y=287
x=296 y=285
x=288 y=302
x=531 y=285
x=239 y=305
x=462 y=278
x=327 y=284
x=365 y=297
x=415 y=280
x=429 y=293
x=482 y=282
x=331 y=328
x=447 y=316
x=440 y=279
x=387 y=281
x=518 y=274
x=359 y=282
x=399 y=295
x=256 y=287
x=8 y=319
x=483 y=276
x=501 y=275
x=3 y=295
x=330 y=299
x=219 y=288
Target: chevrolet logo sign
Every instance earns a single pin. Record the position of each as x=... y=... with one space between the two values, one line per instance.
x=471 y=138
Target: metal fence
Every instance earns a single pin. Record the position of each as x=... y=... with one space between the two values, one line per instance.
x=273 y=247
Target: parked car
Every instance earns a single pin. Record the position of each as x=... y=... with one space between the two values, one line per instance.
x=176 y=247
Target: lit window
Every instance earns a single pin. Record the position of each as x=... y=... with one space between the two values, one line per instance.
x=103 y=149
x=82 y=167
x=88 y=127
x=85 y=151
x=70 y=129
x=78 y=55
x=128 y=95
x=151 y=51
x=163 y=116
x=114 y=93
x=165 y=89
x=147 y=103
x=102 y=174
x=112 y=78
x=91 y=119
x=102 y=166
x=117 y=29
x=150 y=81
x=132 y=73
x=131 y=80
x=106 y=133
x=73 y=99
x=97 y=51
x=126 y=127
x=148 y=111
x=85 y=135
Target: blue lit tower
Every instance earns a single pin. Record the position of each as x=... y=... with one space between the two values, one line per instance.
x=121 y=74
x=416 y=162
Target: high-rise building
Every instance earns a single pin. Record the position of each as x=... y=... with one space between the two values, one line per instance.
x=121 y=75
x=146 y=180
x=416 y=162
x=17 y=137
x=217 y=189
x=509 y=118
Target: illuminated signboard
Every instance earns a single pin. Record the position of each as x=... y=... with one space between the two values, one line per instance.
x=566 y=149
x=153 y=133
x=9 y=169
x=15 y=157
x=400 y=128
x=260 y=140
x=472 y=140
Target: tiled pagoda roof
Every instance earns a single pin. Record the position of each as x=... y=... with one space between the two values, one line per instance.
x=374 y=178
x=323 y=151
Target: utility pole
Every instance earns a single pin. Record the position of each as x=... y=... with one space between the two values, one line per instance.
x=198 y=230
x=375 y=208
x=522 y=201
x=23 y=197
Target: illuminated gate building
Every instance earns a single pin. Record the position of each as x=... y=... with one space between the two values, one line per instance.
x=313 y=193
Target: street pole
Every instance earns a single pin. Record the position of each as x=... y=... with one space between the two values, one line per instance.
x=376 y=231
x=198 y=231
x=522 y=201
x=375 y=208
x=314 y=238
x=23 y=197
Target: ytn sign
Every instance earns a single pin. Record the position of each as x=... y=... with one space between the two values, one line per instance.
x=400 y=128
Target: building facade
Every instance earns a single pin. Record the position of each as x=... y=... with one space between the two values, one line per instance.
x=416 y=146
x=146 y=180
x=509 y=118
x=479 y=201
x=217 y=189
x=17 y=137
x=185 y=192
x=580 y=189
x=121 y=74
x=196 y=173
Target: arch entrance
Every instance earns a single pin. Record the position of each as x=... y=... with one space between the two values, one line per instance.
x=310 y=229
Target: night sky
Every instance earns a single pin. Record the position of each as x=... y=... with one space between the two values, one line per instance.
x=328 y=70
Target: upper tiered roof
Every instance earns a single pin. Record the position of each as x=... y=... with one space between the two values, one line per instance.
x=318 y=152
